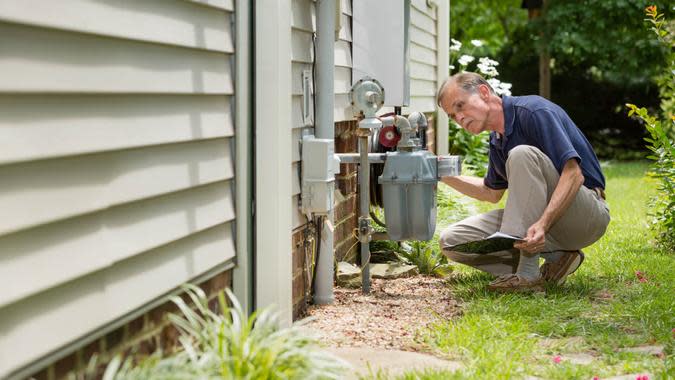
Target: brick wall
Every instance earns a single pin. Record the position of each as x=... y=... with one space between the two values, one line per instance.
x=346 y=216
x=142 y=336
x=346 y=219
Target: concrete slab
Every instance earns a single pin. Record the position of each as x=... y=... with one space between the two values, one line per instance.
x=390 y=362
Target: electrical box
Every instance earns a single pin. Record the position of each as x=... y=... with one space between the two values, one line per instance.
x=319 y=167
x=380 y=46
x=409 y=183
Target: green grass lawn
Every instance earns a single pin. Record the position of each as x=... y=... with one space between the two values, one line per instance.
x=602 y=308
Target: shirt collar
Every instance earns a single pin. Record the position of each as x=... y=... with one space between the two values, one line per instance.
x=509 y=114
x=509 y=119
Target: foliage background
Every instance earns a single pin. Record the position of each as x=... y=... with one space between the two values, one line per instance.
x=602 y=57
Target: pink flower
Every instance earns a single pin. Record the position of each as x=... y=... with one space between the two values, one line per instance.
x=557 y=359
x=596 y=378
x=641 y=277
x=642 y=377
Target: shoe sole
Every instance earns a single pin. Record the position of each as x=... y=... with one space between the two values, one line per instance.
x=570 y=266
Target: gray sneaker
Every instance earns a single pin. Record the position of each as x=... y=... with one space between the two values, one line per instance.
x=558 y=271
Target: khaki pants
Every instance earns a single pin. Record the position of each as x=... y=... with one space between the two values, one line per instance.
x=532 y=180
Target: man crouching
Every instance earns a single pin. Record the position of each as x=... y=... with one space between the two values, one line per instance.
x=556 y=197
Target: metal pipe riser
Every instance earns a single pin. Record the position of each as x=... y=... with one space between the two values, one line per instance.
x=365 y=230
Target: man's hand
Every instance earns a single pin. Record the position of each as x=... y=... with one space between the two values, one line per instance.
x=570 y=181
x=535 y=240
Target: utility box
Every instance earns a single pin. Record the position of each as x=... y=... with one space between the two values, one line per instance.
x=319 y=167
x=409 y=183
x=380 y=46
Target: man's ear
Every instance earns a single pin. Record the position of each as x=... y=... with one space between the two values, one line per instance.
x=484 y=92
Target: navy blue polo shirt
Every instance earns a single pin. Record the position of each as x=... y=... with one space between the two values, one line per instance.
x=533 y=120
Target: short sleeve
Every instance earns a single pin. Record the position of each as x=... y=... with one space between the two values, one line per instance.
x=547 y=130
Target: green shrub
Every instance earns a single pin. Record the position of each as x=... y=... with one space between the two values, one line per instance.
x=230 y=346
x=661 y=139
x=472 y=148
x=428 y=260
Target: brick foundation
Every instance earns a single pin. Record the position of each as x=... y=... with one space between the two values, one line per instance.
x=139 y=337
x=346 y=216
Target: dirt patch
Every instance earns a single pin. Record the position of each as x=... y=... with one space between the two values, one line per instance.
x=389 y=317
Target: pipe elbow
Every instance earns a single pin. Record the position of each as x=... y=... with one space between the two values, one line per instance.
x=418 y=119
x=402 y=123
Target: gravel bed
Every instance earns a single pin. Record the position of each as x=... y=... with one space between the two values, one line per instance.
x=389 y=317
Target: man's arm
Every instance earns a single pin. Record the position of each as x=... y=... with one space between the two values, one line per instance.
x=570 y=181
x=473 y=187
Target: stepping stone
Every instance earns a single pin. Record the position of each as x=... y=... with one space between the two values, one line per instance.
x=348 y=275
x=650 y=350
x=392 y=363
x=393 y=270
x=579 y=359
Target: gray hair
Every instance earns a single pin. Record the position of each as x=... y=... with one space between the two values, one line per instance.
x=467 y=81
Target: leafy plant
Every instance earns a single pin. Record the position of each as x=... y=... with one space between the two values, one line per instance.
x=230 y=346
x=661 y=141
x=428 y=260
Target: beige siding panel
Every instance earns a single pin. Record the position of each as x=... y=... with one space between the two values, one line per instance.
x=296 y=141
x=345 y=28
x=65 y=312
x=296 y=110
x=301 y=46
x=77 y=124
x=295 y=182
x=96 y=241
x=343 y=54
x=34 y=60
x=422 y=37
x=421 y=5
x=343 y=80
x=421 y=104
x=303 y=15
x=422 y=20
x=341 y=112
x=420 y=53
x=343 y=108
x=227 y=5
x=346 y=7
x=160 y=21
x=422 y=71
x=45 y=191
x=423 y=87
x=296 y=76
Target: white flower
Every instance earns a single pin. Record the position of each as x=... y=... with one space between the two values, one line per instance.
x=477 y=43
x=488 y=62
x=455 y=45
x=505 y=86
x=500 y=87
x=494 y=83
x=465 y=60
x=487 y=70
x=451 y=67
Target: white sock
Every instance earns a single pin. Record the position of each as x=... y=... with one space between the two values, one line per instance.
x=528 y=266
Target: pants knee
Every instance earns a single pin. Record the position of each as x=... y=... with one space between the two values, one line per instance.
x=522 y=153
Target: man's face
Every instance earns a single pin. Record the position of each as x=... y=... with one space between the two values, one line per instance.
x=469 y=110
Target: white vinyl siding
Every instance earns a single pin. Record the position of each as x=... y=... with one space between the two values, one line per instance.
x=117 y=172
x=302 y=56
x=423 y=56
